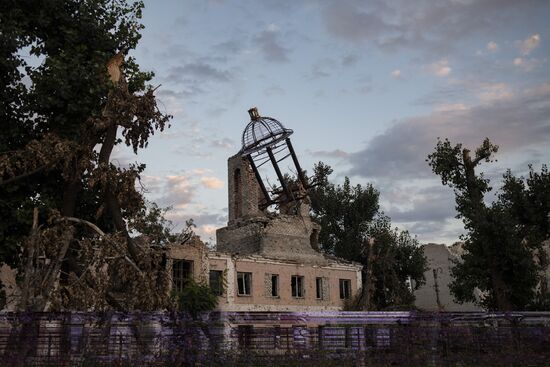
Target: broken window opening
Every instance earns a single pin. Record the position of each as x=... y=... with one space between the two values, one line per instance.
x=216 y=282
x=314 y=239
x=298 y=290
x=345 y=289
x=244 y=284
x=182 y=272
x=319 y=288
x=274 y=285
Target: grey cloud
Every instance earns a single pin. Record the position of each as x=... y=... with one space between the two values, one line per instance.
x=270 y=45
x=337 y=153
x=225 y=143
x=436 y=232
x=349 y=60
x=216 y=111
x=426 y=209
x=185 y=91
x=274 y=90
x=200 y=218
x=173 y=50
x=322 y=68
x=122 y=156
x=194 y=150
x=198 y=70
x=320 y=93
x=431 y=204
x=150 y=184
x=181 y=21
x=229 y=47
x=282 y=6
x=364 y=89
x=210 y=218
x=400 y=152
x=177 y=192
x=179 y=218
x=427 y=24
x=347 y=21
x=193 y=79
x=441 y=94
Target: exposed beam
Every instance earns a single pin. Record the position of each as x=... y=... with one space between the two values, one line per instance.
x=279 y=174
x=297 y=164
x=259 y=179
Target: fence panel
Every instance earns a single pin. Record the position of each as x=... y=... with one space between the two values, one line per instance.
x=316 y=339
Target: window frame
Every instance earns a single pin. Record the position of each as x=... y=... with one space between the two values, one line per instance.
x=345 y=288
x=275 y=290
x=179 y=281
x=247 y=291
x=219 y=288
x=299 y=291
x=319 y=294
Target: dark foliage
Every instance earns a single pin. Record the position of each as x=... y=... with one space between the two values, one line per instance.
x=504 y=255
x=68 y=90
x=352 y=227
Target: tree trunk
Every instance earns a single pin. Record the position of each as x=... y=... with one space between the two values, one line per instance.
x=367 y=286
x=477 y=216
x=70 y=194
x=474 y=193
x=27 y=290
x=499 y=287
x=110 y=197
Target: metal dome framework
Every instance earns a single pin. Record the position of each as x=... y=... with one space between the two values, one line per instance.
x=261 y=133
x=266 y=140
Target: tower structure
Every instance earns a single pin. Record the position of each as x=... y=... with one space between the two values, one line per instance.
x=252 y=228
x=244 y=194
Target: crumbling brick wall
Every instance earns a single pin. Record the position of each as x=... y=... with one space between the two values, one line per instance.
x=244 y=194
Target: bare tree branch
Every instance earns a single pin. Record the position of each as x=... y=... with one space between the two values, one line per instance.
x=85 y=222
x=24 y=175
x=102 y=234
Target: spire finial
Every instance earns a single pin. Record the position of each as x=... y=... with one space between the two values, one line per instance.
x=254 y=115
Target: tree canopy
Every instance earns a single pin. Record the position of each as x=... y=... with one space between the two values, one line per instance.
x=504 y=255
x=69 y=93
x=352 y=227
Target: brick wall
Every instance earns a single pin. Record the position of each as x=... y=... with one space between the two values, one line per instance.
x=244 y=193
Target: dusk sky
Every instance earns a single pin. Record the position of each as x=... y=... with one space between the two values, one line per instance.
x=367 y=87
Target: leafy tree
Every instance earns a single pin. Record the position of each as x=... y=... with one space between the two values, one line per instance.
x=528 y=200
x=503 y=255
x=64 y=107
x=344 y=213
x=196 y=298
x=352 y=227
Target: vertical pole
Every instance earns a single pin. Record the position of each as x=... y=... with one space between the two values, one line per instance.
x=276 y=336
x=49 y=346
x=347 y=337
x=436 y=287
x=278 y=171
x=297 y=164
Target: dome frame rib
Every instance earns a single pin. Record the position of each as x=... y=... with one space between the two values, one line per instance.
x=261 y=133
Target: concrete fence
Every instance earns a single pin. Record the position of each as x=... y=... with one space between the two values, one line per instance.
x=293 y=339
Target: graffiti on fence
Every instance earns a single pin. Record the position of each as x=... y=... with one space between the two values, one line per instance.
x=172 y=339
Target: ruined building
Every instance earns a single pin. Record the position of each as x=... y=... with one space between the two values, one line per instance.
x=435 y=294
x=267 y=257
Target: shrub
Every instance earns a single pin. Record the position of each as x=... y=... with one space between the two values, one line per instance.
x=196 y=298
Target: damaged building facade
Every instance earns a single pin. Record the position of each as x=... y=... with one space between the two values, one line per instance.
x=267 y=260
x=435 y=294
